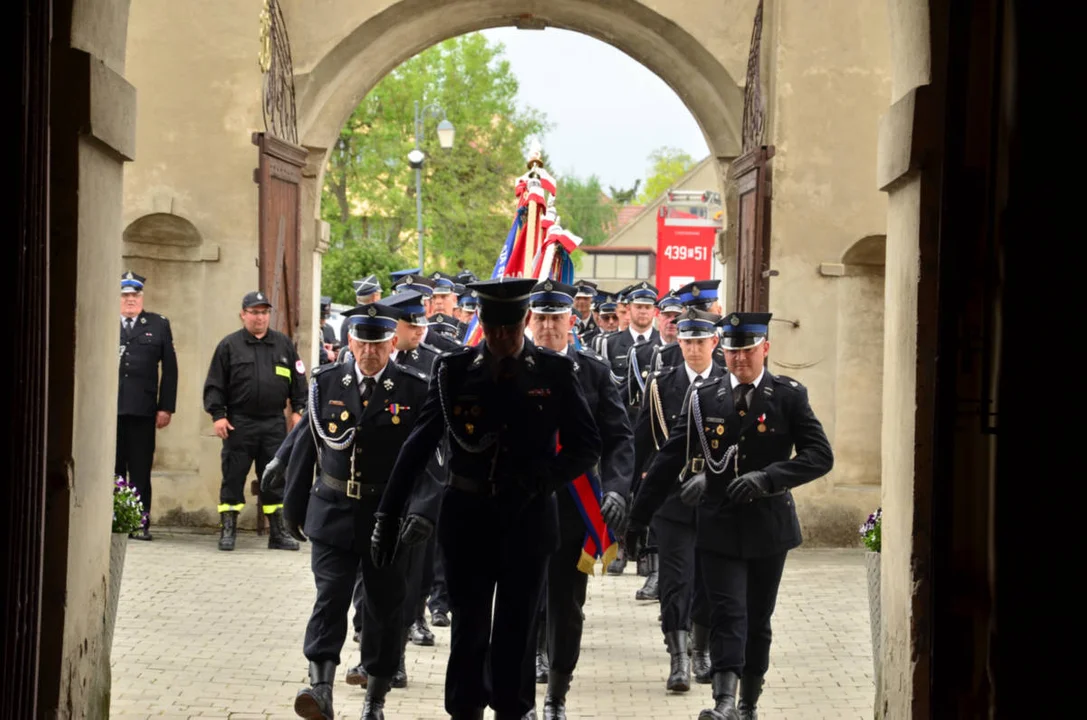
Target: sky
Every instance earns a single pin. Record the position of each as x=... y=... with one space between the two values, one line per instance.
x=608 y=111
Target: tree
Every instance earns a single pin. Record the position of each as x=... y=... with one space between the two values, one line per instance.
x=625 y=196
x=468 y=202
x=583 y=208
x=666 y=166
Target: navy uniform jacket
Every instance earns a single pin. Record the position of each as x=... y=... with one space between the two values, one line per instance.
x=140 y=390
x=769 y=525
x=254 y=377
x=617 y=446
x=420 y=358
x=503 y=439
x=655 y=425
x=374 y=434
x=615 y=348
x=670 y=354
x=639 y=365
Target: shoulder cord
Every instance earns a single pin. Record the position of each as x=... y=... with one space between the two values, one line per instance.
x=349 y=436
x=656 y=412
x=715 y=466
x=634 y=370
x=484 y=442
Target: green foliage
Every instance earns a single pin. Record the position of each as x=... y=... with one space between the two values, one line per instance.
x=468 y=201
x=583 y=208
x=666 y=166
x=625 y=196
x=128 y=515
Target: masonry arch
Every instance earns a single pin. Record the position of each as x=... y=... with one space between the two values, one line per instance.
x=337 y=82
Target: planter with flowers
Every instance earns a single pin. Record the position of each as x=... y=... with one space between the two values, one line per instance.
x=871 y=533
x=128 y=517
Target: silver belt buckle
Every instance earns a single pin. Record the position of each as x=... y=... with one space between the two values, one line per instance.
x=697 y=464
x=354 y=489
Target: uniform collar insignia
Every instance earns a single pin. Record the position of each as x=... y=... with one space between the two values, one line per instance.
x=414 y=354
x=346 y=380
x=388 y=384
x=478 y=361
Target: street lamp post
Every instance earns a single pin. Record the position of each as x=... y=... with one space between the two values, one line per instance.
x=416 y=158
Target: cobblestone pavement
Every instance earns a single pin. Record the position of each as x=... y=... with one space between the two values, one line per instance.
x=207 y=634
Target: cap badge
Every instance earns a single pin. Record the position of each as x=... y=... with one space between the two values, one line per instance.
x=371 y=312
x=548 y=286
x=735 y=319
x=645 y=285
x=408 y=280
x=695 y=291
x=128 y=275
x=259 y=296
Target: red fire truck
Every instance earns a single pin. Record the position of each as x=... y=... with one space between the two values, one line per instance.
x=687 y=227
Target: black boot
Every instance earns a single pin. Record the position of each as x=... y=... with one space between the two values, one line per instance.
x=701 y=667
x=679 y=679
x=750 y=689
x=648 y=591
x=400 y=678
x=555 y=701
x=278 y=539
x=543 y=666
x=373 y=708
x=724 y=695
x=315 y=702
x=619 y=564
x=229 y=522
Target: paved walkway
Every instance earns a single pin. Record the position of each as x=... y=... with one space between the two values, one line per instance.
x=207 y=634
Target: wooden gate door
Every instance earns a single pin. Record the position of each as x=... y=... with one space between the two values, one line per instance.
x=749 y=179
x=279 y=176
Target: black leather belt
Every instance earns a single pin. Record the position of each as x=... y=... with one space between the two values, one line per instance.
x=352 y=488
x=472 y=485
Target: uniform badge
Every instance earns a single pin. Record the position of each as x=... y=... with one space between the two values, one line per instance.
x=714 y=443
x=414 y=354
x=372 y=312
x=300 y=367
x=696 y=291
x=388 y=384
x=762 y=423
x=346 y=380
x=794 y=383
x=735 y=319
x=720 y=430
x=469 y=428
x=395 y=409
x=143 y=321
x=344 y=415
x=332 y=427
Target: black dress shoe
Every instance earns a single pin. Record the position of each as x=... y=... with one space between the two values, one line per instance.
x=440 y=619
x=420 y=634
x=141 y=534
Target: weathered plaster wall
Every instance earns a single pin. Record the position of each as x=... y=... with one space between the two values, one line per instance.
x=829 y=81
x=199 y=103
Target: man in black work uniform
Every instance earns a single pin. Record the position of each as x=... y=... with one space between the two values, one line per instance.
x=145 y=402
x=671 y=544
x=735 y=466
x=698 y=295
x=502 y=403
x=359 y=416
x=254 y=372
x=551 y=320
x=412 y=327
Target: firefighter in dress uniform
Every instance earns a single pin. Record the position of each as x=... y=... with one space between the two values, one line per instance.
x=367 y=290
x=671 y=542
x=502 y=402
x=551 y=321
x=359 y=415
x=145 y=400
x=254 y=372
x=699 y=295
x=732 y=450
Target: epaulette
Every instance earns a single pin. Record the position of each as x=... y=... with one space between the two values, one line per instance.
x=414 y=372
x=711 y=382
x=457 y=351
x=323 y=368
x=788 y=381
x=430 y=348
x=593 y=355
x=667 y=369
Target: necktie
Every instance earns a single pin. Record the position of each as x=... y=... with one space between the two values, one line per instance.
x=367 y=389
x=128 y=324
x=640 y=340
x=507 y=367
x=739 y=396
